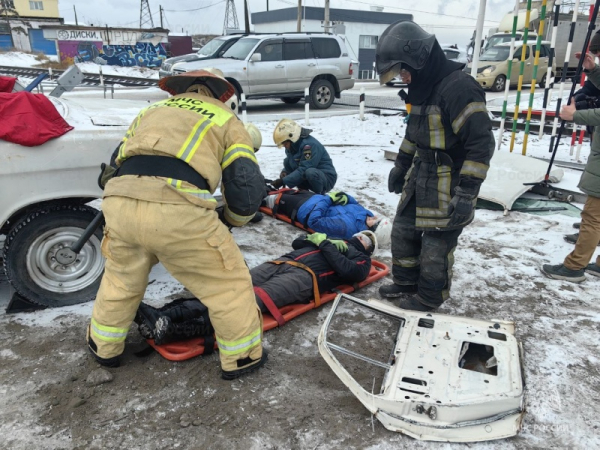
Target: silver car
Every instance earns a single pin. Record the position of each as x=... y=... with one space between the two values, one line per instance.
x=283 y=65
x=213 y=49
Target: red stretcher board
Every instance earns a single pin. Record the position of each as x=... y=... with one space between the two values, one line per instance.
x=180 y=351
x=269 y=212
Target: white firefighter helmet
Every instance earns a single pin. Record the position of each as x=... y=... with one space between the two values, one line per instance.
x=286 y=130
x=198 y=81
x=383 y=231
x=370 y=241
x=255 y=135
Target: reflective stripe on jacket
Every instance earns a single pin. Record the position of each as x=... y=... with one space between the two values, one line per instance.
x=206 y=135
x=448 y=142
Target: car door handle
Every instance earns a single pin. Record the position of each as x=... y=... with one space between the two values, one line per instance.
x=279 y=66
x=312 y=65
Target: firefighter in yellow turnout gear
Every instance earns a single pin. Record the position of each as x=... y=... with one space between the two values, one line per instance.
x=159 y=208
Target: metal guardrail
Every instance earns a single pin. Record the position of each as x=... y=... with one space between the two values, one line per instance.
x=89 y=78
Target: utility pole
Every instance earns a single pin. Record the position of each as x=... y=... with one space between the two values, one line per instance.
x=267 y=5
x=145 y=15
x=299 y=25
x=75 y=11
x=326 y=26
x=231 y=20
x=246 y=18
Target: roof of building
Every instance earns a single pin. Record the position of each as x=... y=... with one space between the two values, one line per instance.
x=335 y=15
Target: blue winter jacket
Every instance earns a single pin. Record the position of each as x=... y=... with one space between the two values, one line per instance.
x=304 y=154
x=340 y=222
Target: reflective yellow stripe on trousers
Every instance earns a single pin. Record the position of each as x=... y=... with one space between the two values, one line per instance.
x=240 y=346
x=108 y=334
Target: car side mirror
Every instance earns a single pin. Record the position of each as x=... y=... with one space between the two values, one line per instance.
x=255 y=57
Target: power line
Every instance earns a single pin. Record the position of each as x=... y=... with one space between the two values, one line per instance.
x=195 y=9
x=416 y=10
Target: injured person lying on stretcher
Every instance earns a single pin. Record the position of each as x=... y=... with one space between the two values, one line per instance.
x=316 y=265
x=337 y=214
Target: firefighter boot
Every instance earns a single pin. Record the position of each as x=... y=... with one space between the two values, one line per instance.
x=397 y=290
x=246 y=366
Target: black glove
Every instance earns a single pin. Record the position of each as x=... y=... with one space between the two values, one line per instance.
x=396 y=180
x=461 y=207
x=283 y=174
x=277 y=183
x=106 y=173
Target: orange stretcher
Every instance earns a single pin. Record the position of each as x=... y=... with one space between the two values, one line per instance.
x=269 y=212
x=180 y=351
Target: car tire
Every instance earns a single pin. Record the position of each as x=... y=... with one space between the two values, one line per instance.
x=291 y=100
x=321 y=94
x=542 y=82
x=499 y=83
x=30 y=252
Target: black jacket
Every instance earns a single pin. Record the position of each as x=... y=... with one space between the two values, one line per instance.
x=331 y=267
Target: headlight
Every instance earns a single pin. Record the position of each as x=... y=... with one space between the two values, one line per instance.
x=489 y=69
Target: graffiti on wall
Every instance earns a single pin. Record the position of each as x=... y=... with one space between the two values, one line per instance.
x=142 y=54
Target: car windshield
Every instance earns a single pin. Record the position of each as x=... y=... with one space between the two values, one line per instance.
x=495 y=54
x=211 y=47
x=240 y=49
x=451 y=54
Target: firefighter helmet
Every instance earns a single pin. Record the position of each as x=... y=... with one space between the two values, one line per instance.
x=402 y=43
x=198 y=81
x=286 y=130
x=255 y=135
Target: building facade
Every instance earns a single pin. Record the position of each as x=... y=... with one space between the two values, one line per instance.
x=360 y=29
x=109 y=46
x=22 y=31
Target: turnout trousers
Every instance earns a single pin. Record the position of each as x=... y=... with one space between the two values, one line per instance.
x=198 y=251
x=422 y=258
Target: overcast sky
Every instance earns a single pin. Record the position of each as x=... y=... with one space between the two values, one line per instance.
x=451 y=20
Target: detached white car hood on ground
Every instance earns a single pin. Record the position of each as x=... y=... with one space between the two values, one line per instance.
x=448 y=378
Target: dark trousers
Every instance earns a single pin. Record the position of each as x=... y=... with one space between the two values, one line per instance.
x=424 y=258
x=284 y=283
x=317 y=181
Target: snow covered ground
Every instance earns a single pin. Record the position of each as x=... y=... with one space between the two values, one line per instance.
x=296 y=402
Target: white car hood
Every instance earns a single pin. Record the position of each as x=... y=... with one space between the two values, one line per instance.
x=92 y=112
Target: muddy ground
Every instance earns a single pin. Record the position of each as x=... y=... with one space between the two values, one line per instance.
x=296 y=401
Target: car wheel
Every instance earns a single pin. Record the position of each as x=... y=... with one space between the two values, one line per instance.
x=322 y=94
x=291 y=100
x=33 y=263
x=542 y=82
x=499 y=83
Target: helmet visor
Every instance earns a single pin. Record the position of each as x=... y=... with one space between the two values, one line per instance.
x=389 y=74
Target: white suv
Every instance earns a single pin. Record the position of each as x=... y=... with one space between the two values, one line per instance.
x=283 y=65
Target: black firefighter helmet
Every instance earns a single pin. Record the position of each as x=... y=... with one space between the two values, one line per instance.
x=402 y=42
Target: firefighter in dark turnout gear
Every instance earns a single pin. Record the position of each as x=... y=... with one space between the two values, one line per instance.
x=442 y=162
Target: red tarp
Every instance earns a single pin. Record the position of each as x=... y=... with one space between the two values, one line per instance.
x=29 y=119
x=7 y=84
